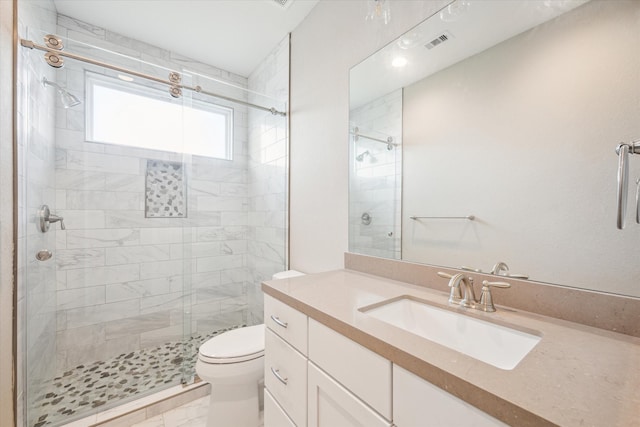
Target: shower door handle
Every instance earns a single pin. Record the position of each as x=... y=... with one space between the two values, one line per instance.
x=47 y=218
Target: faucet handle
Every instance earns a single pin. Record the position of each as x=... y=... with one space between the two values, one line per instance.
x=496 y=284
x=486 y=300
x=474 y=270
x=56 y=218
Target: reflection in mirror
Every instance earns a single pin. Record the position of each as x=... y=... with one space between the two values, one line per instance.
x=374 y=176
x=511 y=113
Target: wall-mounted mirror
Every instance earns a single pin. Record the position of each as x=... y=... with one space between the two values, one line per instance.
x=505 y=118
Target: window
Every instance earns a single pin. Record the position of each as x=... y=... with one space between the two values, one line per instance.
x=138 y=116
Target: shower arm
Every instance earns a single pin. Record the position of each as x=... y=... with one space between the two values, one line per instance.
x=173 y=83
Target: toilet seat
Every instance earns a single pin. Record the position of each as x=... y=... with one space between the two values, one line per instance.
x=237 y=345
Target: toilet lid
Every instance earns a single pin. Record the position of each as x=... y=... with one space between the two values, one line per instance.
x=237 y=345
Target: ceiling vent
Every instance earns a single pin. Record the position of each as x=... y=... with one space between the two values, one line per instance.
x=439 y=40
x=282 y=3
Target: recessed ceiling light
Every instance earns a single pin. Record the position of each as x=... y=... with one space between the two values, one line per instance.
x=399 y=61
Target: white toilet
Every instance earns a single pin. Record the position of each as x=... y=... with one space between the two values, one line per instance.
x=233 y=363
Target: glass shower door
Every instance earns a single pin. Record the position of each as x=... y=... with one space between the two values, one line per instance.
x=37 y=287
x=174 y=208
x=104 y=312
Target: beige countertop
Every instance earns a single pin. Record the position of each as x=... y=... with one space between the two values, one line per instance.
x=575 y=376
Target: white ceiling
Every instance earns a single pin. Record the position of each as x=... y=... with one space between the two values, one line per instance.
x=234 y=35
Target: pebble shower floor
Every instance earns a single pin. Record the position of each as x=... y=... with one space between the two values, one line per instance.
x=94 y=385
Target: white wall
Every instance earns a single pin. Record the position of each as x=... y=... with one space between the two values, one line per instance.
x=333 y=38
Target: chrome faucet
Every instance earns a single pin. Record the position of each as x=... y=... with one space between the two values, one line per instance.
x=500 y=267
x=469 y=298
x=456 y=296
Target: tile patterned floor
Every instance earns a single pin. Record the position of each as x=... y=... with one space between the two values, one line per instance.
x=91 y=386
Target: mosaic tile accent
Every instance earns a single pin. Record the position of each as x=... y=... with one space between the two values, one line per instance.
x=165 y=192
x=101 y=385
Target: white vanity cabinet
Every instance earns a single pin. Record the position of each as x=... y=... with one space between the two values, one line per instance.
x=418 y=403
x=285 y=363
x=317 y=377
x=339 y=384
x=274 y=415
x=364 y=373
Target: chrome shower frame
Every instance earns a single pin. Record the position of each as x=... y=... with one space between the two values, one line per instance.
x=55 y=57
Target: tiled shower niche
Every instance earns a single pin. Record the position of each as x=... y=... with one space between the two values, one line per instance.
x=165 y=190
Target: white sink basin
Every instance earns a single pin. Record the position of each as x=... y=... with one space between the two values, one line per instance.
x=491 y=343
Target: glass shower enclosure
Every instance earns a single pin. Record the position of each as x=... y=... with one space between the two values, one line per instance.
x=149 y=213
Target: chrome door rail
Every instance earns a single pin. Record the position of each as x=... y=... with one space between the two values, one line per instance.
x=52 y=57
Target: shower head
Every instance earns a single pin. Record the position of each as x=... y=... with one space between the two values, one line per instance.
x=360 y=157
x=68 y=100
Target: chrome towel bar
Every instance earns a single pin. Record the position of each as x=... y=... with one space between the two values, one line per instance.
x=468 y=217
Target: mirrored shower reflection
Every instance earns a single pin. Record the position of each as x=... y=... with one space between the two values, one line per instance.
x=375 y=147
x=162 y=248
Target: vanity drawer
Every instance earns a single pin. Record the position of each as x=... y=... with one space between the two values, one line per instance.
x=287 y=322
x=274 y=415
x=363 y=372
x=285 y=377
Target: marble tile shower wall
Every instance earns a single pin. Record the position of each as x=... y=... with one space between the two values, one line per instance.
x=36 y=285
x=376 y=178
x=267 y=178
x=120 y=276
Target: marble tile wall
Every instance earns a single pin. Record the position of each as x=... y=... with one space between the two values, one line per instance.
x=268 y=154
x=36 y=153
x=376 y=179
x=124 y=281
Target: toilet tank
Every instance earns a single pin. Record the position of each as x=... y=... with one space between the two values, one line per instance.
x=287 y=274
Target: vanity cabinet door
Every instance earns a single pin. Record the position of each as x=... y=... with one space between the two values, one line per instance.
x=418 y=403
x=331 y=405
x=360 y=370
